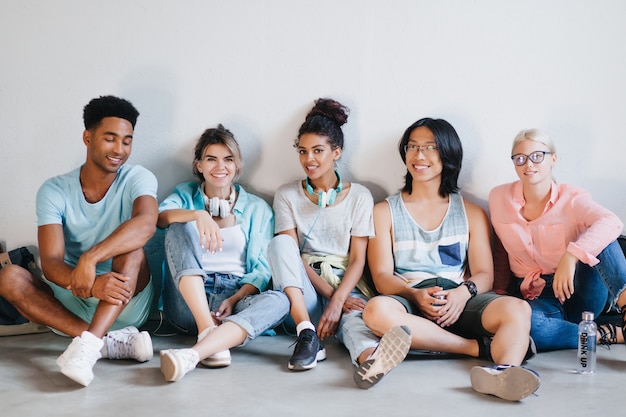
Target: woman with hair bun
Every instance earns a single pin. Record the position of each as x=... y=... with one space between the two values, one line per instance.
x=323 y=224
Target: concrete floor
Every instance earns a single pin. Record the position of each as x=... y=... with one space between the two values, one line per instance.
x=259 y=384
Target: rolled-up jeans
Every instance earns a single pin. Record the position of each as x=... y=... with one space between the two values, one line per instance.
x=554 y=325
x=288 y=271
x=254 y=313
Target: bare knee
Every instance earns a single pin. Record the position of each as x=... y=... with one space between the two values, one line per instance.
x=377 y=313
x=508 y=311
x=14 y=280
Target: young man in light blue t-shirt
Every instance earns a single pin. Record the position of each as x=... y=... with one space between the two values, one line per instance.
x=93 y=223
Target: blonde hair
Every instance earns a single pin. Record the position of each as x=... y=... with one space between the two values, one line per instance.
x=537 y=135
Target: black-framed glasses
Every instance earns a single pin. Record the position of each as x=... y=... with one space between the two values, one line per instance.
x=520 y=159
x=417 y=148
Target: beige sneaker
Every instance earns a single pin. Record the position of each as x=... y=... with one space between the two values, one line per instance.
x=218 y=360
x=175 y=363
x=511 y=383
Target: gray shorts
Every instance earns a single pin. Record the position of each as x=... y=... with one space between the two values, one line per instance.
x=469 y=324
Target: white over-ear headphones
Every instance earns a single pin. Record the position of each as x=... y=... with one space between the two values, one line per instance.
x=325 y=198
x=218 y=206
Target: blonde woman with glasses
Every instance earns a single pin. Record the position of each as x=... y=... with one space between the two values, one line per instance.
x=557 y=248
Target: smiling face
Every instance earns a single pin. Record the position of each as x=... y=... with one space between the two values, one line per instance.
x=317 y=156
x=109 y=144
x=423 y=164
x=217 y=166
x=534 y=173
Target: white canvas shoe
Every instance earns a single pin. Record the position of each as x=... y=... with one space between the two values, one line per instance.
x=128 y=343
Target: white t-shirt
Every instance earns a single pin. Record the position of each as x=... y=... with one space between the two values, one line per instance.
x=324 y=231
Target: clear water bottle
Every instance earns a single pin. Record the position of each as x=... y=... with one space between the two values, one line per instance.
x=587 y=330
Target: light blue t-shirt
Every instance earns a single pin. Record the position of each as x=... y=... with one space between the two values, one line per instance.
x=60 y=200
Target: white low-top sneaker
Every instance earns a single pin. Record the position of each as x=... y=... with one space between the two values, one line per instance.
x=175 y=363
x=128 y=343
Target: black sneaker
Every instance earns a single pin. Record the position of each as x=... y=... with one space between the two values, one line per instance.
x=308 y=351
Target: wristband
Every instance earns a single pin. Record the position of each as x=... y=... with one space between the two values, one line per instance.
x=471 y=287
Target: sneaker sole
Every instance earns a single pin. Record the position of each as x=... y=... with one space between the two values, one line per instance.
x=169 y=367
x=77 y=376
x=321 y=355
x=212 y=362
x=512 y=384
x=147 y=352
x=393 y=348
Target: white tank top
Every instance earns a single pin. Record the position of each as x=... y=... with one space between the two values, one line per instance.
x=232 y=258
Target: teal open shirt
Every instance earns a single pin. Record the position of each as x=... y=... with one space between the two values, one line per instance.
x=251 y=212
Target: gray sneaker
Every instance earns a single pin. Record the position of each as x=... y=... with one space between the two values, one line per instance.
x=511 y=383
x=392 y=349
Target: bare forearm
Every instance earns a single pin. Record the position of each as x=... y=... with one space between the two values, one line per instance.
x=168 y=217
x=244 y=291
x=57 y=271
x=131 y=235
x=390 y=284
x=349 y=281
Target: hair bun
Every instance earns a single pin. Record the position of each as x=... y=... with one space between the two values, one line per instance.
x=331 y=109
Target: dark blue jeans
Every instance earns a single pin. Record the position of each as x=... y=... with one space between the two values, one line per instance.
x=554 y=325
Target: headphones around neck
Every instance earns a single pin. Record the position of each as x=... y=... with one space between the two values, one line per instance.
x=218 y=206
x=325 y=198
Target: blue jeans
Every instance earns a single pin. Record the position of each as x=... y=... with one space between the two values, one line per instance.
x=255 y=313
x=554 y=325
x=288 y=271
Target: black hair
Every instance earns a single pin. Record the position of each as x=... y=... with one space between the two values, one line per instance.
x=108 y=106
x=450 y=152
x=217 y=136
x=325 y=119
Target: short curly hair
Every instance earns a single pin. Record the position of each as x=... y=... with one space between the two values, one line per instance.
x=108 y=106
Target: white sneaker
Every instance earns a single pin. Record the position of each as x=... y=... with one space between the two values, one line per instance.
x=175 y=363
x=218 y=360
x=79 y=358
x=128 y=343
x=392 y=349
x=508 y=382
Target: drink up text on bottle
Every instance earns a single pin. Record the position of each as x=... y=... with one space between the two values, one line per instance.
x=587 y=330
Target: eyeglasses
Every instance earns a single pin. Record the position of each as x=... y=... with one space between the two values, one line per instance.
x=418 y=148
x=520 y=159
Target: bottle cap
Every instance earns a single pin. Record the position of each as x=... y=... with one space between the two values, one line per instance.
x=588 y=316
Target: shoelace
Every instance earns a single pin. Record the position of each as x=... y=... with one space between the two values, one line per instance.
x=121 y=347
x=608 y=335
x=304 y=342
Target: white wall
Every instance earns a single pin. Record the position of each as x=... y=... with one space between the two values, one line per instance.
x=491 y=68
